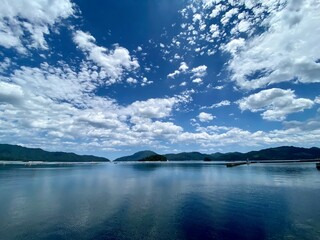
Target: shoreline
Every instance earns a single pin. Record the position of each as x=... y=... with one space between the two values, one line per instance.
x=34 y=163
x=185 y=162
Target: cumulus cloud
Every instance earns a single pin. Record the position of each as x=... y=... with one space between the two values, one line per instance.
x=216 y=11
x=197 y=80
x=309 y=125
x=286 y=51
x=234 y=45
x=183 y=67
x=205 y=117
x=243 y=26
x=174 y=74
x=196 y=17
x=145 y=82
x=275 y=104
x=10 y=93
x=24 y=23
x=214 y=29
x=113 y=62
x=228 y=15
x=157 y=128
x=220 y=87
x=59 y=109
x=56 y=104
x=199 y=71
x=131 y=80
x=221 y=136
x=55 y=82
x=151 y=108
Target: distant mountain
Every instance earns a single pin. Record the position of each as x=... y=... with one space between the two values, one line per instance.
x=284 y=153
x=18 y=153
x=137 y=156
x=228 y=156
x=187 y=156
x=278 y=153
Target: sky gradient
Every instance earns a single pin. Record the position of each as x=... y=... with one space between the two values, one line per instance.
x=110 y=78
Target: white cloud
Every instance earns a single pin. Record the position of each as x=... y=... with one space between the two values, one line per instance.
x=57 y=83
x=55 y=107
x=202 y=26
x=10 y=93
x=156 y=129
x=287 y=51
x=217 y=105
x=58 y=105
x=21 y=18
x=234 y=45
x=215 y=136
x=146 y=82
x=228 y=15
x=151 y=108
x=183 y=67
x=220 y=87
x=197 y=80
x=176 y=56
x=216 y=11
x=113 y=62
x=5 y=64
x=132 y=80
x=174 y=74
x=243 y=26
x=196 y=17
x=275 y=104
x=214 y=29
x=199 y=71
x=205 y=117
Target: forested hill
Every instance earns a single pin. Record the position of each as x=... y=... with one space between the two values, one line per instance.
x=185 y=156
x=18 y=153
x=278 y=153
x=137 y=156
x=284 y=153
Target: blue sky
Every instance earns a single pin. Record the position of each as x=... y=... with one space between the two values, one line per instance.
x=114 y=77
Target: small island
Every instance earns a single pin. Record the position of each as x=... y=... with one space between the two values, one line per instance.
x=154 y=158
x=207 y=159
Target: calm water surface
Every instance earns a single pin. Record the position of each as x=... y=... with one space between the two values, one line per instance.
x=160 y=201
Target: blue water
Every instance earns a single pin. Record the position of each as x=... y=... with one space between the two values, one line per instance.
x=160 y=201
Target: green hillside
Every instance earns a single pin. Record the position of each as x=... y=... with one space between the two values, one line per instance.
x=136 y=157
x=187 y=156
x=18 y=153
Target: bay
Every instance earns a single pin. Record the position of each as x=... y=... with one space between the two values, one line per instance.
x=160 y=201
